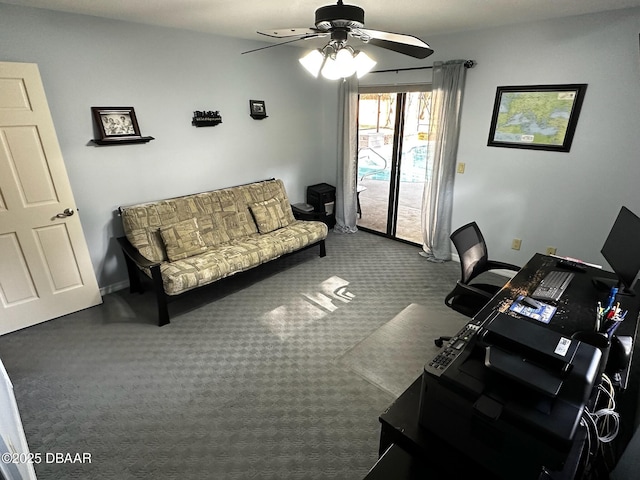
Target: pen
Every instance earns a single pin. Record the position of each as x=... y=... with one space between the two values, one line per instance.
x=614 y=311
x=612 y=329
x=612 y=297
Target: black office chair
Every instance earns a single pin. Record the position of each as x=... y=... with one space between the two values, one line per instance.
x=467 y=297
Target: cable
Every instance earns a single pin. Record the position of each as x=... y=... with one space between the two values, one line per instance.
x=590 y=453
x=607 y=433
x=602 y=426
x=600 y=421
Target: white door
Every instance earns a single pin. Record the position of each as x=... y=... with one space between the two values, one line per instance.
x=45 y=268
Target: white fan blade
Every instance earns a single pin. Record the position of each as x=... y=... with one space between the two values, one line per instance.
x=288 y=32
x=406 y=44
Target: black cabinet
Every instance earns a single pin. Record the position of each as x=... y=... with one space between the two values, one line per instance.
x=322 y=197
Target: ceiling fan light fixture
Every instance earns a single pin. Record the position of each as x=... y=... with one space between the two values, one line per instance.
x=363 y=63
x=337 y=60
x=313 y=61
x=345 y=63
x=341 y=22
x=331 y=70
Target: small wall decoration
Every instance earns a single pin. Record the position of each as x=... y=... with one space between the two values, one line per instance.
x=206 y=119
x=117 y=125
x=257 y=109
x=540 y=117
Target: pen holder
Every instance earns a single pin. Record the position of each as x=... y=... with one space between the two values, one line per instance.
x=598 y=340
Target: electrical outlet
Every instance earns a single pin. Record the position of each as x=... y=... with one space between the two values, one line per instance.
x=461 y=166
x=551 y=250
x=516 y=243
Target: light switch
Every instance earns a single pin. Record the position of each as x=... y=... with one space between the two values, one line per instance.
x=461 y=167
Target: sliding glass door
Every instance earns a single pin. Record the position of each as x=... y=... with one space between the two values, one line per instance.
x=393 y=132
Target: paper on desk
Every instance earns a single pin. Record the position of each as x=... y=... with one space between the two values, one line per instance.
x=543 y=313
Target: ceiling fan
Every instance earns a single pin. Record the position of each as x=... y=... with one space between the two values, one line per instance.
x=337 y=59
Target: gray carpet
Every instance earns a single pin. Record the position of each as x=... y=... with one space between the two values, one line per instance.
x=248 y=381
x=394 y=355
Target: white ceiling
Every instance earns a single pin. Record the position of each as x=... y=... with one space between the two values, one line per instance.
x=241 y=18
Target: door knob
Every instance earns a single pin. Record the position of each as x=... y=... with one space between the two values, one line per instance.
x=67 y=213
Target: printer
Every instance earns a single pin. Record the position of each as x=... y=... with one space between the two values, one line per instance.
x=509 y=394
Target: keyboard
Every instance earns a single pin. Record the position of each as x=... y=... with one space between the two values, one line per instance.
x=553 y=285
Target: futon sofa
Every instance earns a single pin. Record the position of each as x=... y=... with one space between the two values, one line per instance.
x=186 y=242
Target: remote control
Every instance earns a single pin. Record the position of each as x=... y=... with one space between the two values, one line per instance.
x=571 y=265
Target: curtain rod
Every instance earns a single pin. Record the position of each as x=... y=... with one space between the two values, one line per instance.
x=467 y=64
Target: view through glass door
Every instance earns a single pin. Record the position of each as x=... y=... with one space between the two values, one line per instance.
x=393 y=133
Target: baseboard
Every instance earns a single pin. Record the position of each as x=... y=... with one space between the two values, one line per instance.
x=114 y=287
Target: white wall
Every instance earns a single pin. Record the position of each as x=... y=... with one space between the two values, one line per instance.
x=166 y=74
x=566 y=200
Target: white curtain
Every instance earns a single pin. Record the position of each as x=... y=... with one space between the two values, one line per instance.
x=345 y=208
x=437 y=199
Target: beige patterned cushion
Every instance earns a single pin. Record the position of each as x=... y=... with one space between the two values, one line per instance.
x=226 y=260
x=223 y=216
x=182 y=240
x=142 y=226
x=269 y=215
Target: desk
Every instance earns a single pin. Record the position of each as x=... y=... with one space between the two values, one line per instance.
x=577 y=306
x=576 y=312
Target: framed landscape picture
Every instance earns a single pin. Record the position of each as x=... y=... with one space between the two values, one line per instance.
x=538 y=117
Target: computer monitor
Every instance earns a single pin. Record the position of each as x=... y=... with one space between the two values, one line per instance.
x=621 y=249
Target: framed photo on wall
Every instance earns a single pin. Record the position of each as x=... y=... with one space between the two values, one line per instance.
x=115 y=123
x=257 y=109
x=538 y=117
x=116 y=126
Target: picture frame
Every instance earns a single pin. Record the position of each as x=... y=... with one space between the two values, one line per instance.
x=536 y=117
x=116 y=123
x=257 y=109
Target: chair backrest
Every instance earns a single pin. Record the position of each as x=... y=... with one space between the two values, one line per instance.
x=472 y=251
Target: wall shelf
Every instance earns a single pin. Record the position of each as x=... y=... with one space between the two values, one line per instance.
x=208 y=118
x=206 y=123
x=121 y=141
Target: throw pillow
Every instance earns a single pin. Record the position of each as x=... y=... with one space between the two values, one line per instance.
x=182 y=240
x=269 y=215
